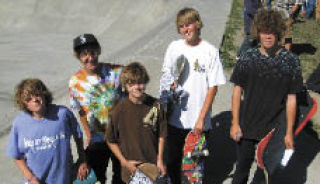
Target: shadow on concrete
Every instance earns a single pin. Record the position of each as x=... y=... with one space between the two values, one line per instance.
x=222 y=150
x=307 y=146
x=223 y=154
x=303 y=48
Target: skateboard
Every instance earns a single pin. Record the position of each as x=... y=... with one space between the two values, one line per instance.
x=148 y=173
x=271 y=153
x=91 y=179
x=194 y=151
x=167 y=95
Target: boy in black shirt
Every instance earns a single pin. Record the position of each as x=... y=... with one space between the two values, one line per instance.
x=269 y=78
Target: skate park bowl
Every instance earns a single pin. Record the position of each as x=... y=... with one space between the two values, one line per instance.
x=36 y=42
x=36 y=38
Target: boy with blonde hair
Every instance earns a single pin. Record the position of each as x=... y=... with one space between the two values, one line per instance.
x=200 y=77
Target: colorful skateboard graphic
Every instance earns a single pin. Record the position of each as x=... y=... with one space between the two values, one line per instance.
x=271 y=152
x=192 y=163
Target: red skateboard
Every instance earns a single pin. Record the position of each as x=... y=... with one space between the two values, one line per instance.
x=192 y=163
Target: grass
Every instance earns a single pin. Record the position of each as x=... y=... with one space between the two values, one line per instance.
x=305 y=40
x=234 y=25
x=305 y=44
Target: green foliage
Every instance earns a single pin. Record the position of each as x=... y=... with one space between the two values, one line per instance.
x=235 y=23
x=305 y=40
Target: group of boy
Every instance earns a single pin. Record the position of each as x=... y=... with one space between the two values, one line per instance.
x=128 y=126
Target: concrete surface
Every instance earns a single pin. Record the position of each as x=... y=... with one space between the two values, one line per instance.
x=36 y=41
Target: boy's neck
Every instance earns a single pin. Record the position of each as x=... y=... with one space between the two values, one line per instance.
x=136 y=100
x=194 y=42
x=93 y=72
x=270 y=52
x=40 y=114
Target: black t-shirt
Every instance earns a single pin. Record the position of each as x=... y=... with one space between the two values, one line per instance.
x=266 y=83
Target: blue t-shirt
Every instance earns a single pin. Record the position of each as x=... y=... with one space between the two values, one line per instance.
x=45 y=143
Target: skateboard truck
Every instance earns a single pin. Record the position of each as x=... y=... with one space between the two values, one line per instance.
x=203 y=153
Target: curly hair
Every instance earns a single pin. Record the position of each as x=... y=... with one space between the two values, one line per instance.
x=268 y=21
x=28 y=88
x=188 y=15
x=134 y=73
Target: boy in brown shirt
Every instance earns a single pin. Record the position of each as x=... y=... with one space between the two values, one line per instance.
x=137 y=129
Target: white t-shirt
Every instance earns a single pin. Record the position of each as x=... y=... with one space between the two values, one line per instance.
x=202 y=70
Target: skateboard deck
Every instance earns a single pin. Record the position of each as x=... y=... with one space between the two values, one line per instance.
x=192 y=162
x=91 y=179
x=271 y=152
x=148 y=174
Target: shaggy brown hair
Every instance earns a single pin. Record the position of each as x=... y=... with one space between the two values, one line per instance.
x=187 y=16
x=268 y=21
x=28 y=88
x=134 y=73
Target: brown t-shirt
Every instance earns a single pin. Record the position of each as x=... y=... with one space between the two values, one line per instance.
x=137 y=139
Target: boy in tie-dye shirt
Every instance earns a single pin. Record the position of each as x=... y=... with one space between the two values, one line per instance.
x=94 y=90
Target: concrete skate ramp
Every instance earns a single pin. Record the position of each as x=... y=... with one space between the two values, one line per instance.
x=36 y=38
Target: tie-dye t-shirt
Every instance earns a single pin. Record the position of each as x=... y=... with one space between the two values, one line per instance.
x=96 y=95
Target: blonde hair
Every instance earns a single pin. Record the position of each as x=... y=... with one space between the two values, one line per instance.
x=187 y=16
x=134 y=73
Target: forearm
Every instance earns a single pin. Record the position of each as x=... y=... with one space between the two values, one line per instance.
x=235 y=129
x=84 y=122
x=131 y=165
x=160 y=148
x=291 y=107
x=80 y=149
x=212 y=91
x=21 y=164
x=236 y=99
x=117 y=152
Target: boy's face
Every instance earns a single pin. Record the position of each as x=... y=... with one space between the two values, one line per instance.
x=135 y=90
x=34 y=104
x=268 y=40
x=89 y=59
x=190 y=32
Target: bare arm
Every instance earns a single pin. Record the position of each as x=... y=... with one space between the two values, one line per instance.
x=21 y=163
x=131 y=165
x=83 y=170
x=235 y=130
x=291 y=107
x=160 y=164
x=212 y=91
x=85 y=125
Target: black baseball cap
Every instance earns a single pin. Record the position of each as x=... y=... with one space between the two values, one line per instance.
x=85 y=40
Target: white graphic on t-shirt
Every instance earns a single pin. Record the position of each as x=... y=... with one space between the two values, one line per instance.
x=43 y=143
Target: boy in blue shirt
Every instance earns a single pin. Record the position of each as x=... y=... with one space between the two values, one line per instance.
x=40 y=136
